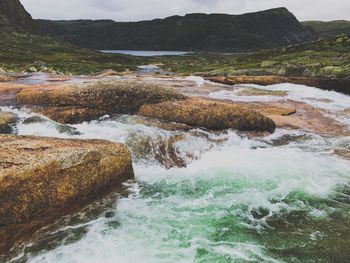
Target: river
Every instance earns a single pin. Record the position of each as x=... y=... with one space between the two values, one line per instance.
x=283 y=197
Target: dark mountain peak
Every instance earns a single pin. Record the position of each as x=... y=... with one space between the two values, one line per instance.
x=277 y=10
x=15 y=13
x=194 y=32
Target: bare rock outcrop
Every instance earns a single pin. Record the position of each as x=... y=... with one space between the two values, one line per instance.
x=84 y=102
x=209 y=114
x=42 y=179
x=74 y=103
x=338 y=84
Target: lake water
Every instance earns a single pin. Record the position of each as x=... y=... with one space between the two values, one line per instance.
x=284 y=197
x=147 y=53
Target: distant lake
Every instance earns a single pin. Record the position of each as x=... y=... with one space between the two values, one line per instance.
x=141 y=53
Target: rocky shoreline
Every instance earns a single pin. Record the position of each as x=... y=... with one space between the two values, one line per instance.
x=42 y=179
x=337 y=84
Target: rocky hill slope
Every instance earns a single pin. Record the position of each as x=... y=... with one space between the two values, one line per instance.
x=330 y=28
x=196 y=32
x=13 y=17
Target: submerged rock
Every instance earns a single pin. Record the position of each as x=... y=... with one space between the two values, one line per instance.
x=44 y=178
x=343 y=151
x=209 y=114
x=6 y=121
x=61 y=128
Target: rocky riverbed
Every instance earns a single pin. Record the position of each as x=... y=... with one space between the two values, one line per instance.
x=217 y=168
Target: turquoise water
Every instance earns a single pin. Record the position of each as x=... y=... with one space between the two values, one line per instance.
x=279 y=198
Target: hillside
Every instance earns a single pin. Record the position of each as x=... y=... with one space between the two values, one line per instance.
x=325 y=58
x=331 y=28
x=22 y=49
x=195 y=32
x=13 y=17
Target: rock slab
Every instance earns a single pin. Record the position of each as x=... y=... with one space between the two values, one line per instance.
x=212 y=115
x=42 y=179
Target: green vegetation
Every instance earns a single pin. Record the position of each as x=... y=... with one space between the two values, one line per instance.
x=22 y=49
x=331 y=28
x=324 y=58
x=194 y=32
x=23 y=52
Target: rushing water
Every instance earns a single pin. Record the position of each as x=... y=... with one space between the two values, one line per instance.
x=281 y=198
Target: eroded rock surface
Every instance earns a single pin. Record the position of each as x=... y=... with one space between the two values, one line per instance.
x=88 y=101
x=74 y=103
x=209 y=114
x=44 y=178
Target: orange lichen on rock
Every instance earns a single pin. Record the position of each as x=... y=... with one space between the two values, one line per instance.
x=44 y=178
x=209 y=114
x=74 y=103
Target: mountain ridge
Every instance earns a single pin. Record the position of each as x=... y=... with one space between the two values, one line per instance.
x=329 y=28
x=14 y=16
x=192 y=32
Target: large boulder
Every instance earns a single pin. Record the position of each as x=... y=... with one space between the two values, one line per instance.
x=42 y=179
x=74 y=103
x=214 y=115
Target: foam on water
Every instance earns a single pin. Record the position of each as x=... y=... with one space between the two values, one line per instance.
x=179 y=215
x=333 y=102
x=239 y=199
x=323 y=99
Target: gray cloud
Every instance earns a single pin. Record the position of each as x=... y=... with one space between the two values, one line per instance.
x=133 y=10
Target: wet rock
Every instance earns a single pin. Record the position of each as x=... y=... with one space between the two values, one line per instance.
x=288 y=138
x=88 y=101
x=74 y=103
x=337 y=84
x=274 y=108
x=8 y=92
x=42 y=179
x=209 y=114
x=260 y=213
x=4 y=78
x=6 y=121
x=111 y=73
x=70 y=115
x=33 y=120
x=153 y=122
x=261 y=92
x=61 y=128
x=161 y=150
x=343 y=152
x=109 y=214
x=311 y=119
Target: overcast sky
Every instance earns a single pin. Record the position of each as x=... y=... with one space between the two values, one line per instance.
x=134 y=10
